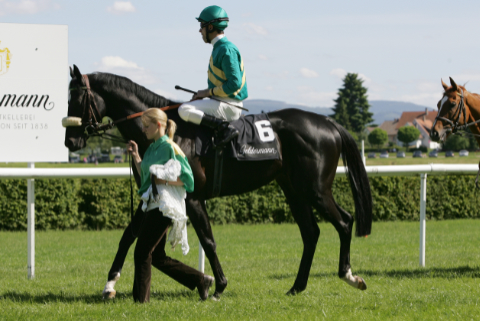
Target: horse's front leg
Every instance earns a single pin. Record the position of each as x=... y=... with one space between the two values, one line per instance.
x=128 y=237
x=197 y=214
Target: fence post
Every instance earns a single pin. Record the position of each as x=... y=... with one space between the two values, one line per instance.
x=31 y=224
x=363 y=153
x=423 y=206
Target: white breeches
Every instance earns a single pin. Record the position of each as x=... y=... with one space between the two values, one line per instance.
x=193 y=111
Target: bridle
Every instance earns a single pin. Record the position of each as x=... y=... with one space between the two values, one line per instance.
x=455 y=126
x=93 y=126
x=89 y=108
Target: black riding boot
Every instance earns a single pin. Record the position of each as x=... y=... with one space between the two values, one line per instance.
x=226 y=132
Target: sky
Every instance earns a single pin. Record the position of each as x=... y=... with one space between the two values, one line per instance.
x=294 y=51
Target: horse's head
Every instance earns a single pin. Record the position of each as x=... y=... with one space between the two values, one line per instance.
x=451 y=112
x=85 y=107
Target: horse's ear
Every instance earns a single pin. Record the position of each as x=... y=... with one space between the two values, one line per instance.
x=444 y=85
x=454 y=85
x=71 y=72
x=78 y=74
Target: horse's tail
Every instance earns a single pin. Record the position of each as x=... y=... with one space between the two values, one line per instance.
x=359 y=183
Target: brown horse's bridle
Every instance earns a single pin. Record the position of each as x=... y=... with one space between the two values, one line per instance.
x=455 y=126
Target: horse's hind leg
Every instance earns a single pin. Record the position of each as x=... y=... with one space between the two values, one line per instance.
x=309 y=230
x=343 y=223
x=197 y=213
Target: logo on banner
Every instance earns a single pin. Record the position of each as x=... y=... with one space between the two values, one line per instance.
x=5 y=57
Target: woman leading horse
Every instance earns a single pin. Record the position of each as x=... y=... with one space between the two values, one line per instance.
x=310 y=147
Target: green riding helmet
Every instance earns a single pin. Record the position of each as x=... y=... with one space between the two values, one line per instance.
x=215 y=16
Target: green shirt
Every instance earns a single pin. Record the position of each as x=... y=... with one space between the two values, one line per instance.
x=226 y=74
x=158 y=153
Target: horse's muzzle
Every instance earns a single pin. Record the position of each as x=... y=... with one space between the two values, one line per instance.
x=74 y=143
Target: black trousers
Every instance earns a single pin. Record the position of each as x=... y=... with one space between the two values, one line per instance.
x=150 y=250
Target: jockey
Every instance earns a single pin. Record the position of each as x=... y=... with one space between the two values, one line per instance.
x=226 y=80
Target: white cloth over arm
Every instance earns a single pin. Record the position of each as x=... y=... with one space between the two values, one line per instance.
x=170 y=201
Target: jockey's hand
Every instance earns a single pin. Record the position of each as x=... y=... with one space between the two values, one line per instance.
x=201 y=94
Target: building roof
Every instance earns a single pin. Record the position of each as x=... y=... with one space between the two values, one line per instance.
x=427 y=117
x=390 y=126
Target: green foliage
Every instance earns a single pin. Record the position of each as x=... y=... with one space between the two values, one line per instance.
x=407 y=134
x=341 y=114
x=457 y=142
x=67 y=204
x=105 y=204
x=378 y=137
x=351 y=108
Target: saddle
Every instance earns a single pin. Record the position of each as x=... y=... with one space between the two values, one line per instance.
x=256 y=142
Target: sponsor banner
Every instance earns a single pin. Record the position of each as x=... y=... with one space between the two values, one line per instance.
x=33 y=92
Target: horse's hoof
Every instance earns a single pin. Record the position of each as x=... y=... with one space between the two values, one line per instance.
x=216 y=296
x=361 y=284
x=109 y=295
x=292 y=292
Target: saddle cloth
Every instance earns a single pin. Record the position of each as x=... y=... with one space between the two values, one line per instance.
x=255 y=142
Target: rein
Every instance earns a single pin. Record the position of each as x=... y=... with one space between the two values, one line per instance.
x=94 y=128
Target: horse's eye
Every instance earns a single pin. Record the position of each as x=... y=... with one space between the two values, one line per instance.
x=453 y=104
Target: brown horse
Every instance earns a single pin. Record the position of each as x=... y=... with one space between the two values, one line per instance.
x=457 y=110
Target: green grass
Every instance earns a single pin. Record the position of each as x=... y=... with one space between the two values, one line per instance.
x=260 y=262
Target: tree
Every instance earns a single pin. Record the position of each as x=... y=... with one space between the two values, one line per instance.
x=407 y=134
x=378 y=137
x=352 y=104
x=341 y=114
x=457 y=142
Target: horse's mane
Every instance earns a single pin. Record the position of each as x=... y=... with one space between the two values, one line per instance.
x=148 y=97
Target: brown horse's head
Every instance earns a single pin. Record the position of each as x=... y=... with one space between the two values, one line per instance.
x=448 y=111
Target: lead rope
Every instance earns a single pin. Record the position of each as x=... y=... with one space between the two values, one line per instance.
x=131 y=187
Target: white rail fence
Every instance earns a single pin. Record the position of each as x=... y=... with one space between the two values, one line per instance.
x=32 y=173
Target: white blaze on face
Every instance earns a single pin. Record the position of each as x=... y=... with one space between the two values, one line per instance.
x=444 y=99
x=442 y=102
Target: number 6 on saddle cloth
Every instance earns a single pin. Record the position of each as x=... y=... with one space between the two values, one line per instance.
x=256 y=142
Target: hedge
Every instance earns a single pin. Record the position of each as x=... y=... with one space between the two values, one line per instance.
x=105 y=204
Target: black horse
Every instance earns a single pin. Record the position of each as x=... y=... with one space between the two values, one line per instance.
x=311 y=146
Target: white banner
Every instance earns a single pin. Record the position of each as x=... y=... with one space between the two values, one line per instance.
x=33 y=92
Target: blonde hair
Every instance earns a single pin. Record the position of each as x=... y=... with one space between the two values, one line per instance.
x=154 y=115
